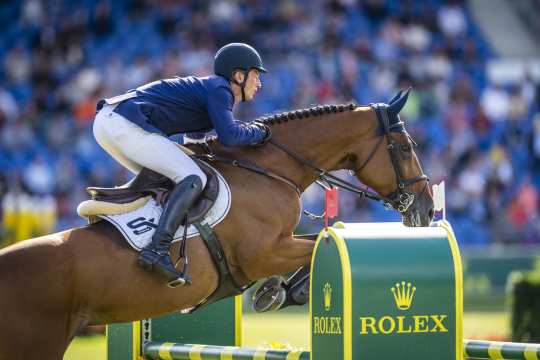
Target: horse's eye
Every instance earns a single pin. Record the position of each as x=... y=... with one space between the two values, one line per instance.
x=406 y=147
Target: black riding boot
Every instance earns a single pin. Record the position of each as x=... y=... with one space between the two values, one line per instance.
x=155 y=256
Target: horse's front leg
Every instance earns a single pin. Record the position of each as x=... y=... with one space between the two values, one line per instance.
x=273 y=254
x=295 y=250
x=276 y=292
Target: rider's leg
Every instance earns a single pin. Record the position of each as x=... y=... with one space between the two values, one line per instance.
x=155 y=256
x=157 y=153
x=103 y=136
x=135 y=148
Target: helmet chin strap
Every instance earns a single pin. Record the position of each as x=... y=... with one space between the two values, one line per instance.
x=242 y=85
x=243 y=89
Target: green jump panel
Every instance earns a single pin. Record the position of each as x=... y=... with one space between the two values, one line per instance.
x=218 y=324
x=382 y=291
x=122 y=341
x=215 y=324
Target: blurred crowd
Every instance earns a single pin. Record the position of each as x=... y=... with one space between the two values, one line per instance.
x=59 y=57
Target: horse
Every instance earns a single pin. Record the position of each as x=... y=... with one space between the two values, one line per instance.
x=53 y=286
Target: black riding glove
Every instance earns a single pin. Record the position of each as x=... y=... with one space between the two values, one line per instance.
x=266 y=130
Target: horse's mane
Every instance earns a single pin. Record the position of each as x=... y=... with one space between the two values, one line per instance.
x=315 y=110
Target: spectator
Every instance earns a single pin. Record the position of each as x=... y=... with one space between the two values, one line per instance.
x=452 y=20
x=523 y=210
x=495 y=103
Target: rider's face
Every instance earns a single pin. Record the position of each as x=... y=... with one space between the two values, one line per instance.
x=253 y=84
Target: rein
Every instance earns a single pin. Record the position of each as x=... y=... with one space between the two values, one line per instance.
x=210 y=156
x=323 y=177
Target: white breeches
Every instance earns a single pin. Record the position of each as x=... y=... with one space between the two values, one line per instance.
x=135 y=148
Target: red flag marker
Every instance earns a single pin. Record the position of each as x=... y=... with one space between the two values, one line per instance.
x=331 y=205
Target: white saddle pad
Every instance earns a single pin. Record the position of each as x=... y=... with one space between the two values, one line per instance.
x=139 y=225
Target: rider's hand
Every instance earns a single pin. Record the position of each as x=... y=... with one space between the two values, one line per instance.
x=267 y=131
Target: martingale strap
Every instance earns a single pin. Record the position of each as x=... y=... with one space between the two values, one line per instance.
x=227 y=286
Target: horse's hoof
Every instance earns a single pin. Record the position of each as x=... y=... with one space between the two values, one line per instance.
x=299 y=292
x=271 y=295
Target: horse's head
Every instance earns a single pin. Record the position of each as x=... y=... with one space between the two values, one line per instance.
x=390 y=166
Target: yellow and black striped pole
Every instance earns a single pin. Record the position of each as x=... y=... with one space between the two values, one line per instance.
x=496 y=350
x=473 y=349
x=154 y=350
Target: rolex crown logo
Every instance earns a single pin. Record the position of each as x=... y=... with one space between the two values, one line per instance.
x=327 y=291
x=403 y=295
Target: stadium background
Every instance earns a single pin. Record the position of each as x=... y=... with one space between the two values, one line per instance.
x=473 y=110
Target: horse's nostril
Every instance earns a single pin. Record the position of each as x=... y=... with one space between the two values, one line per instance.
x=431 y=213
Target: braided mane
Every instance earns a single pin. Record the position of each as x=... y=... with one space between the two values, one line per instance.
x=305 y=113
x=315 y=110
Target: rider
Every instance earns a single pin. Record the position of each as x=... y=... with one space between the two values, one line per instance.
x=134 y=128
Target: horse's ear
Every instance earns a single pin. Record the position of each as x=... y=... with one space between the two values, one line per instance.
x=395 y=97
x=395 y=106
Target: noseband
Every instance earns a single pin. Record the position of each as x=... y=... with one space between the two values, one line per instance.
x=402 y=198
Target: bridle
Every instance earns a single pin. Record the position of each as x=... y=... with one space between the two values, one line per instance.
x=402 y=198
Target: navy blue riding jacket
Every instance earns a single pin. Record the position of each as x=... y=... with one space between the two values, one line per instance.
x=189 y=105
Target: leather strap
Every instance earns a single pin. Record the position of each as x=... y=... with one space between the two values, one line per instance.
x=227 y=286
x=250 y=166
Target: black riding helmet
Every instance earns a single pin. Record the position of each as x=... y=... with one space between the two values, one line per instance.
x=237 y=56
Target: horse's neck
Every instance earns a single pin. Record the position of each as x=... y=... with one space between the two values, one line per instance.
x=324 y=140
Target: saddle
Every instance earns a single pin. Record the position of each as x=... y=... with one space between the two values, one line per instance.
x=150 y=183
